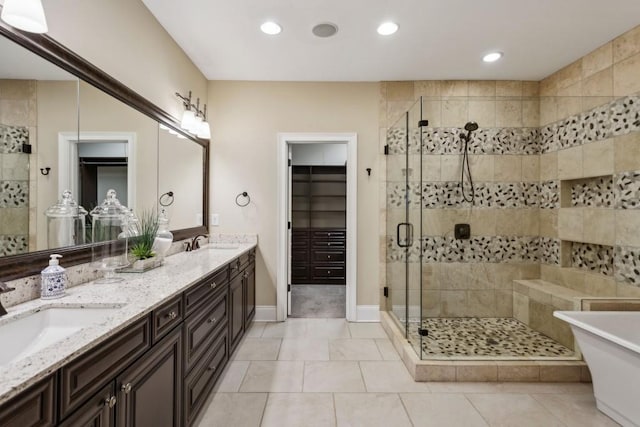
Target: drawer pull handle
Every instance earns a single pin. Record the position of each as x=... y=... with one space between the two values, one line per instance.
x=213 y=285
x=172 y=315
x=212 y=320
x=211 y=368
x=246 y=274
x=328 y=256
x=126 y=388
x=328 y=271
x=110 y=401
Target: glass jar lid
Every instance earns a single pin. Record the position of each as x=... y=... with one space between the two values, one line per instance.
x=66 y=207
x=110 y=208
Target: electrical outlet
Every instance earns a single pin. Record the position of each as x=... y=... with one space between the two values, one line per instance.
x=214 y=219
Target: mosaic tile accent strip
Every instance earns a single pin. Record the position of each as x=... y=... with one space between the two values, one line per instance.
x=12 y=138
x=397 y=254
x=13 y=245
x=549 y=250
x=595 y=258
x=489 y=337
x=596 y=192
x=549 y=195
x=627 y=265
x=627 y=190
x=14 y=194
x=490 y=249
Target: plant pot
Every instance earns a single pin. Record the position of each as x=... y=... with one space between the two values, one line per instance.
x=142 y=265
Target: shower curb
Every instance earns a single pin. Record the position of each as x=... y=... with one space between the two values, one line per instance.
x=480 y=370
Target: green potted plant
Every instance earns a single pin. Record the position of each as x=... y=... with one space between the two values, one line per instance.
x=141 y=252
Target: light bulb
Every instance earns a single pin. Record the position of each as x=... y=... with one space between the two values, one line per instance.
x=188 y=119
x=205 y=131
x=25 y=15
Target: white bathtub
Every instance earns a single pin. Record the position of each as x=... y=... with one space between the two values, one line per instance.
x=610 y=343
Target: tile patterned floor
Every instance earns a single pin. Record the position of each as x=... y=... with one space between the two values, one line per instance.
x=327 y=372
x=478 y=337
x=318 y=301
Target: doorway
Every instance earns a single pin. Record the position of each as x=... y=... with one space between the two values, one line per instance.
x=316 y=274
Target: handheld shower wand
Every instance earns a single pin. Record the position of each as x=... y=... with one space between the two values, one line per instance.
x=469 y=127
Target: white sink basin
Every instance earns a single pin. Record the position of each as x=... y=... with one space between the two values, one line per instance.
x=26 y=335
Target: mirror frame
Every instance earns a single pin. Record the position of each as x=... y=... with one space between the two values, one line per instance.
x=29 y=264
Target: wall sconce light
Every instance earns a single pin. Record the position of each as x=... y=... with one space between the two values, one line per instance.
x=194 y=120
x=25 y=15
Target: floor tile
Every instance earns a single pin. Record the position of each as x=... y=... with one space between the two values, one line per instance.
x=328 y=328
x=354 y=349
x=540 y=388
x=333 y=376
x=292 y=328
x=462 y=387
x=304 y=349
x=387 y=350
x=370 y=410
x=280 y=376
x=519 y=410
x=577 y=410
x=299 y=409
x=258 y=349
x=319 y=301
x=367 y=330
x=435 y=409
x=232 y=377
x=234 y=409
x=390 y=377
x=255 y=330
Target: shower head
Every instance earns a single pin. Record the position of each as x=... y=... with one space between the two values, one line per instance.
x=471 y=126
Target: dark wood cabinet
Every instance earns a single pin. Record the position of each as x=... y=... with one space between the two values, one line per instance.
x=318 y=256
x=249 y=293
x=34 y=407
x=201 y=328
x=236 y=310
x=99 y=411
x=166 y=317
x=149 y=392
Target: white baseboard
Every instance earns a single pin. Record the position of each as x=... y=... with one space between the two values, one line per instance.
x=265 y=313
x=368 y=313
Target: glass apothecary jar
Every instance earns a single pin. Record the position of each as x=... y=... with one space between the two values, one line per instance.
x=109 y=232
x=164 y=237
x=65 y=223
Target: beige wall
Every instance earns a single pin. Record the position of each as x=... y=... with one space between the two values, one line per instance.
x=124 y=39
x=246 y=118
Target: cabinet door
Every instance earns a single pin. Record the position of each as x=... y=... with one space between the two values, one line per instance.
x=236 y=303
x=149 y=392
x=97 y=412
x=34 y=407
x=250 y=293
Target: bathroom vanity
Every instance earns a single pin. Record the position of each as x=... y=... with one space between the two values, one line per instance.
x=152 y=360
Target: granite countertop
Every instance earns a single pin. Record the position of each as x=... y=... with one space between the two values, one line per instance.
x=132 y=299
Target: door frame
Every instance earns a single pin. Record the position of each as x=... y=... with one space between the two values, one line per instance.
x=284 y=141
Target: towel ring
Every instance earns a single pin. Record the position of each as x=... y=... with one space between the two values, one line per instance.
x=245 y=195
x=166 y=199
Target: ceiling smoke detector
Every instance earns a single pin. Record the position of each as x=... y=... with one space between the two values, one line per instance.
x=324 y=30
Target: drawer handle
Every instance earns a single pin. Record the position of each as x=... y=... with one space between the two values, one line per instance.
x=212 y=320
x=328 y=271
x=246 y=274
x=110 y=401
x=172 y=315
x=213 y=285
x=328 y=256
x=211 y=368
x=126 y=388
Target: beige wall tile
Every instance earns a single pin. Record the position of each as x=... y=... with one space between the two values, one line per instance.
x=568 y=106
x=428 y=88
x=483 y=112
x=530 y=88
x=597 y=60
x=395 y=111
x=483 y=222
x=549 y=166
x=598 y=285
x=509 y=113
x=454 y=88
x=450 y=165
x=627 y=226
x=430 y=167
x=476 y=371
x=530 y=222
x=521 y=307
x=591 y=102
x=439 y=371
x=540 y=317
x=599 y=84
x=558 y=372
x=626 y=45
x=400 y=91
x=455 y=112
x=548 y=222
x=509 y=88
x=627 y=152
x=625 y=76
x=570 y=224
x=432 y=111
x=454 y=303
x=482 y=88
x=530 y=168
x=571 y=278
x=531 y=112
x=518 y=371
x=549 y=85
x=548 y=110
x=508 y=222
x=504 y=303
x=626 y=290
x=481 y=303
x=597 y=158
x=481 y=167
x=507 y=168
x=569 y=75
x=570 y=163
x=599 y=226
x=571 y=90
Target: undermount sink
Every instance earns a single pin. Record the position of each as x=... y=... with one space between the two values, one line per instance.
x=223 y=246
x=26 y=335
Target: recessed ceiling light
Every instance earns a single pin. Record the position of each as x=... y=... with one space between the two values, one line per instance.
x=271 y=28
x=492 y=57
x=324 y=30
x=387 y=28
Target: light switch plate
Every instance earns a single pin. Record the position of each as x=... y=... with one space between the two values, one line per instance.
x=215 y=219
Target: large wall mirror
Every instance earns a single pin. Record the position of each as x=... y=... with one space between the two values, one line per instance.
x=66 y=125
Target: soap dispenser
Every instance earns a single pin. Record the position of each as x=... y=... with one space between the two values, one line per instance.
x=53 y=279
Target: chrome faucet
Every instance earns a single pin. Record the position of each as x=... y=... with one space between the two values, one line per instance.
x=194 y=244
x=4 y=288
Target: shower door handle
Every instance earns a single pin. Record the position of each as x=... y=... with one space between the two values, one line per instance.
x=408 y=234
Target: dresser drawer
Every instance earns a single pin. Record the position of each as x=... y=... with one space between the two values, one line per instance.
x=328 y=234
x=298 y=255
x=336 y=272
x=299 y=271
x=82 y=378
x=202 y=293
x=328 y=256
x=328 y=244
x=166 y=317
x=201 y=329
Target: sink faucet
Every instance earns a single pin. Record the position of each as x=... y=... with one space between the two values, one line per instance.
x=4 y=288
x=194 y=244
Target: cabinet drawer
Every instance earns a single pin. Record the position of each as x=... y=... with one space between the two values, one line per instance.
x=201 y=329
x=299 y=271
x=328 y=272
x=83 y=377
x=34 y=407
x=300 y=244
x=98 y=411
x=328 y=244
x=328 y=256
x=166 y=317
x=328 y=234
x=299 y=255
x=234 y=268
x=200 y=381
x=202 y=293
x=299 y=234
